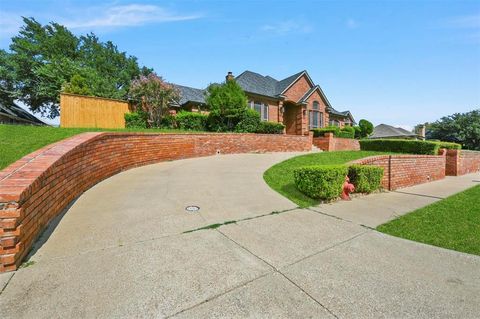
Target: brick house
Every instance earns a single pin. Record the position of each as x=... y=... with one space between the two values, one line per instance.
x=295 y=101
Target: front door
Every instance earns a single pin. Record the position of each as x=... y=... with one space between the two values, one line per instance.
x=290 y=119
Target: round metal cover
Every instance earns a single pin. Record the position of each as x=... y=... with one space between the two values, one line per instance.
x=192 y=209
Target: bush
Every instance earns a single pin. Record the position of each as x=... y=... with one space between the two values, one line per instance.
x=191 y=121
x=168 y=121
x=320 y=132
x=250 y=122
x=400 y=146
x=227 y=103
x=406 y=146
x=358 y=132
x=270 y=128
x=366 y=128
x=366 y=178
x=449 y=145
x=322 y=181
x=136 y=120
x=346 y=132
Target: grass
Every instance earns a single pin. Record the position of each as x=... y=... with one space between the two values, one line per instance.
x=280 y=176
x=17 y=141
x=452 y=223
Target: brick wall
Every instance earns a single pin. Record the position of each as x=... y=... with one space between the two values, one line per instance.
x=38 y=187
x=331 y=143
x=407 y=170
x=460 y=162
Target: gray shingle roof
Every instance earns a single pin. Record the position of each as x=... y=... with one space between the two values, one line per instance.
x=258 y=84
x=283 y=84
x=16 y=112
x=189 y=94
x=388 y=131
x=252 y=82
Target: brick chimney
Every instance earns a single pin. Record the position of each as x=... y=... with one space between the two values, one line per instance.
x=421 y=131
x=229 y=76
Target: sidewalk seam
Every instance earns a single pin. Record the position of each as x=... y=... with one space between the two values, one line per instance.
x=275 y=269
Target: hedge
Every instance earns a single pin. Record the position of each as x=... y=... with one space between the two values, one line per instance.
x=405 y=146
x=135 y=120
x=191 y=121
x=321 y=181
x=346 y=132
x=270 y=128
x=365 y=178
x=249 y=123
x=320 y=132
x=449 y=145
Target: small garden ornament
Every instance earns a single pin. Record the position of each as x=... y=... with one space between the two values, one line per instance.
x=347 y=189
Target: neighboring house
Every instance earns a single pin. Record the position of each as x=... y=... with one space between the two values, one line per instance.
x=388 y=131
x=295 y=101
x=13 y=114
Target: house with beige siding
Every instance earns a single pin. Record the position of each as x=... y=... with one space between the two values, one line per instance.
x=296 y=101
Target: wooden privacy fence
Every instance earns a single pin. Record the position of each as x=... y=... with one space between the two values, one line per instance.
x=90 y=111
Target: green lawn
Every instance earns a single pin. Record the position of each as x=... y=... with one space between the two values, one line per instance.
x=17 y=141
x=280 y=176
x=452 y=223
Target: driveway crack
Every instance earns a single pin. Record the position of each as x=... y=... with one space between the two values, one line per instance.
x=275 y=269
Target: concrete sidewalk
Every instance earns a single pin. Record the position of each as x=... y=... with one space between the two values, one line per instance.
x=121 y=251
x=376 y=209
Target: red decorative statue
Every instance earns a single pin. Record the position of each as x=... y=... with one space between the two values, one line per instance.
x=347 y=189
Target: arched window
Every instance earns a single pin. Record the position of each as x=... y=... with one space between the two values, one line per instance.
x=315 y=117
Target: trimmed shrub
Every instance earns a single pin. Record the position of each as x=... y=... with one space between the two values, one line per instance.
x=136 y=120
x=249 y=123
x=322 y=181
x=366 y=178
x=191 y=121
x=168 y=121
x=449 y=145
x=320 y=132
x=400 y=146
x=346 y=132
x=270 y=128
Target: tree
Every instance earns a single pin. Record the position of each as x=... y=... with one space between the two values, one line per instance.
x=227 y=103
x=462 y=128
x=366 y=128
x=153 y=96
x=6 y=79
x=43 y=58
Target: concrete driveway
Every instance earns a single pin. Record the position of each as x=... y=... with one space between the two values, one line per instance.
x=121 y=251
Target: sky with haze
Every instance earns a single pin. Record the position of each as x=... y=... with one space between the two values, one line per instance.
x=394 y=62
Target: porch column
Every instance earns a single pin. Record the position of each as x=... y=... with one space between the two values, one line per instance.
x=280 y=112
x=304 y=120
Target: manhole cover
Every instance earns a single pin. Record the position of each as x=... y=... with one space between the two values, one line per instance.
x=192 y=209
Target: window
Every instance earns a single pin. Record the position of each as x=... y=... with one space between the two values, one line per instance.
x=315 y=117
x=261 y=108
x=334 y=123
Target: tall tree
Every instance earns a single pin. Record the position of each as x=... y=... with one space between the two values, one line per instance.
x=462 y=128
x=43 y=58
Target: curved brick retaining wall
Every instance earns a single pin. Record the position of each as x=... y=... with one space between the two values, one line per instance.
x=38 y=187
x=407 y=170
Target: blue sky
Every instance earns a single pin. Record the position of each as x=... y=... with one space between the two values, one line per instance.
x=394 y=62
